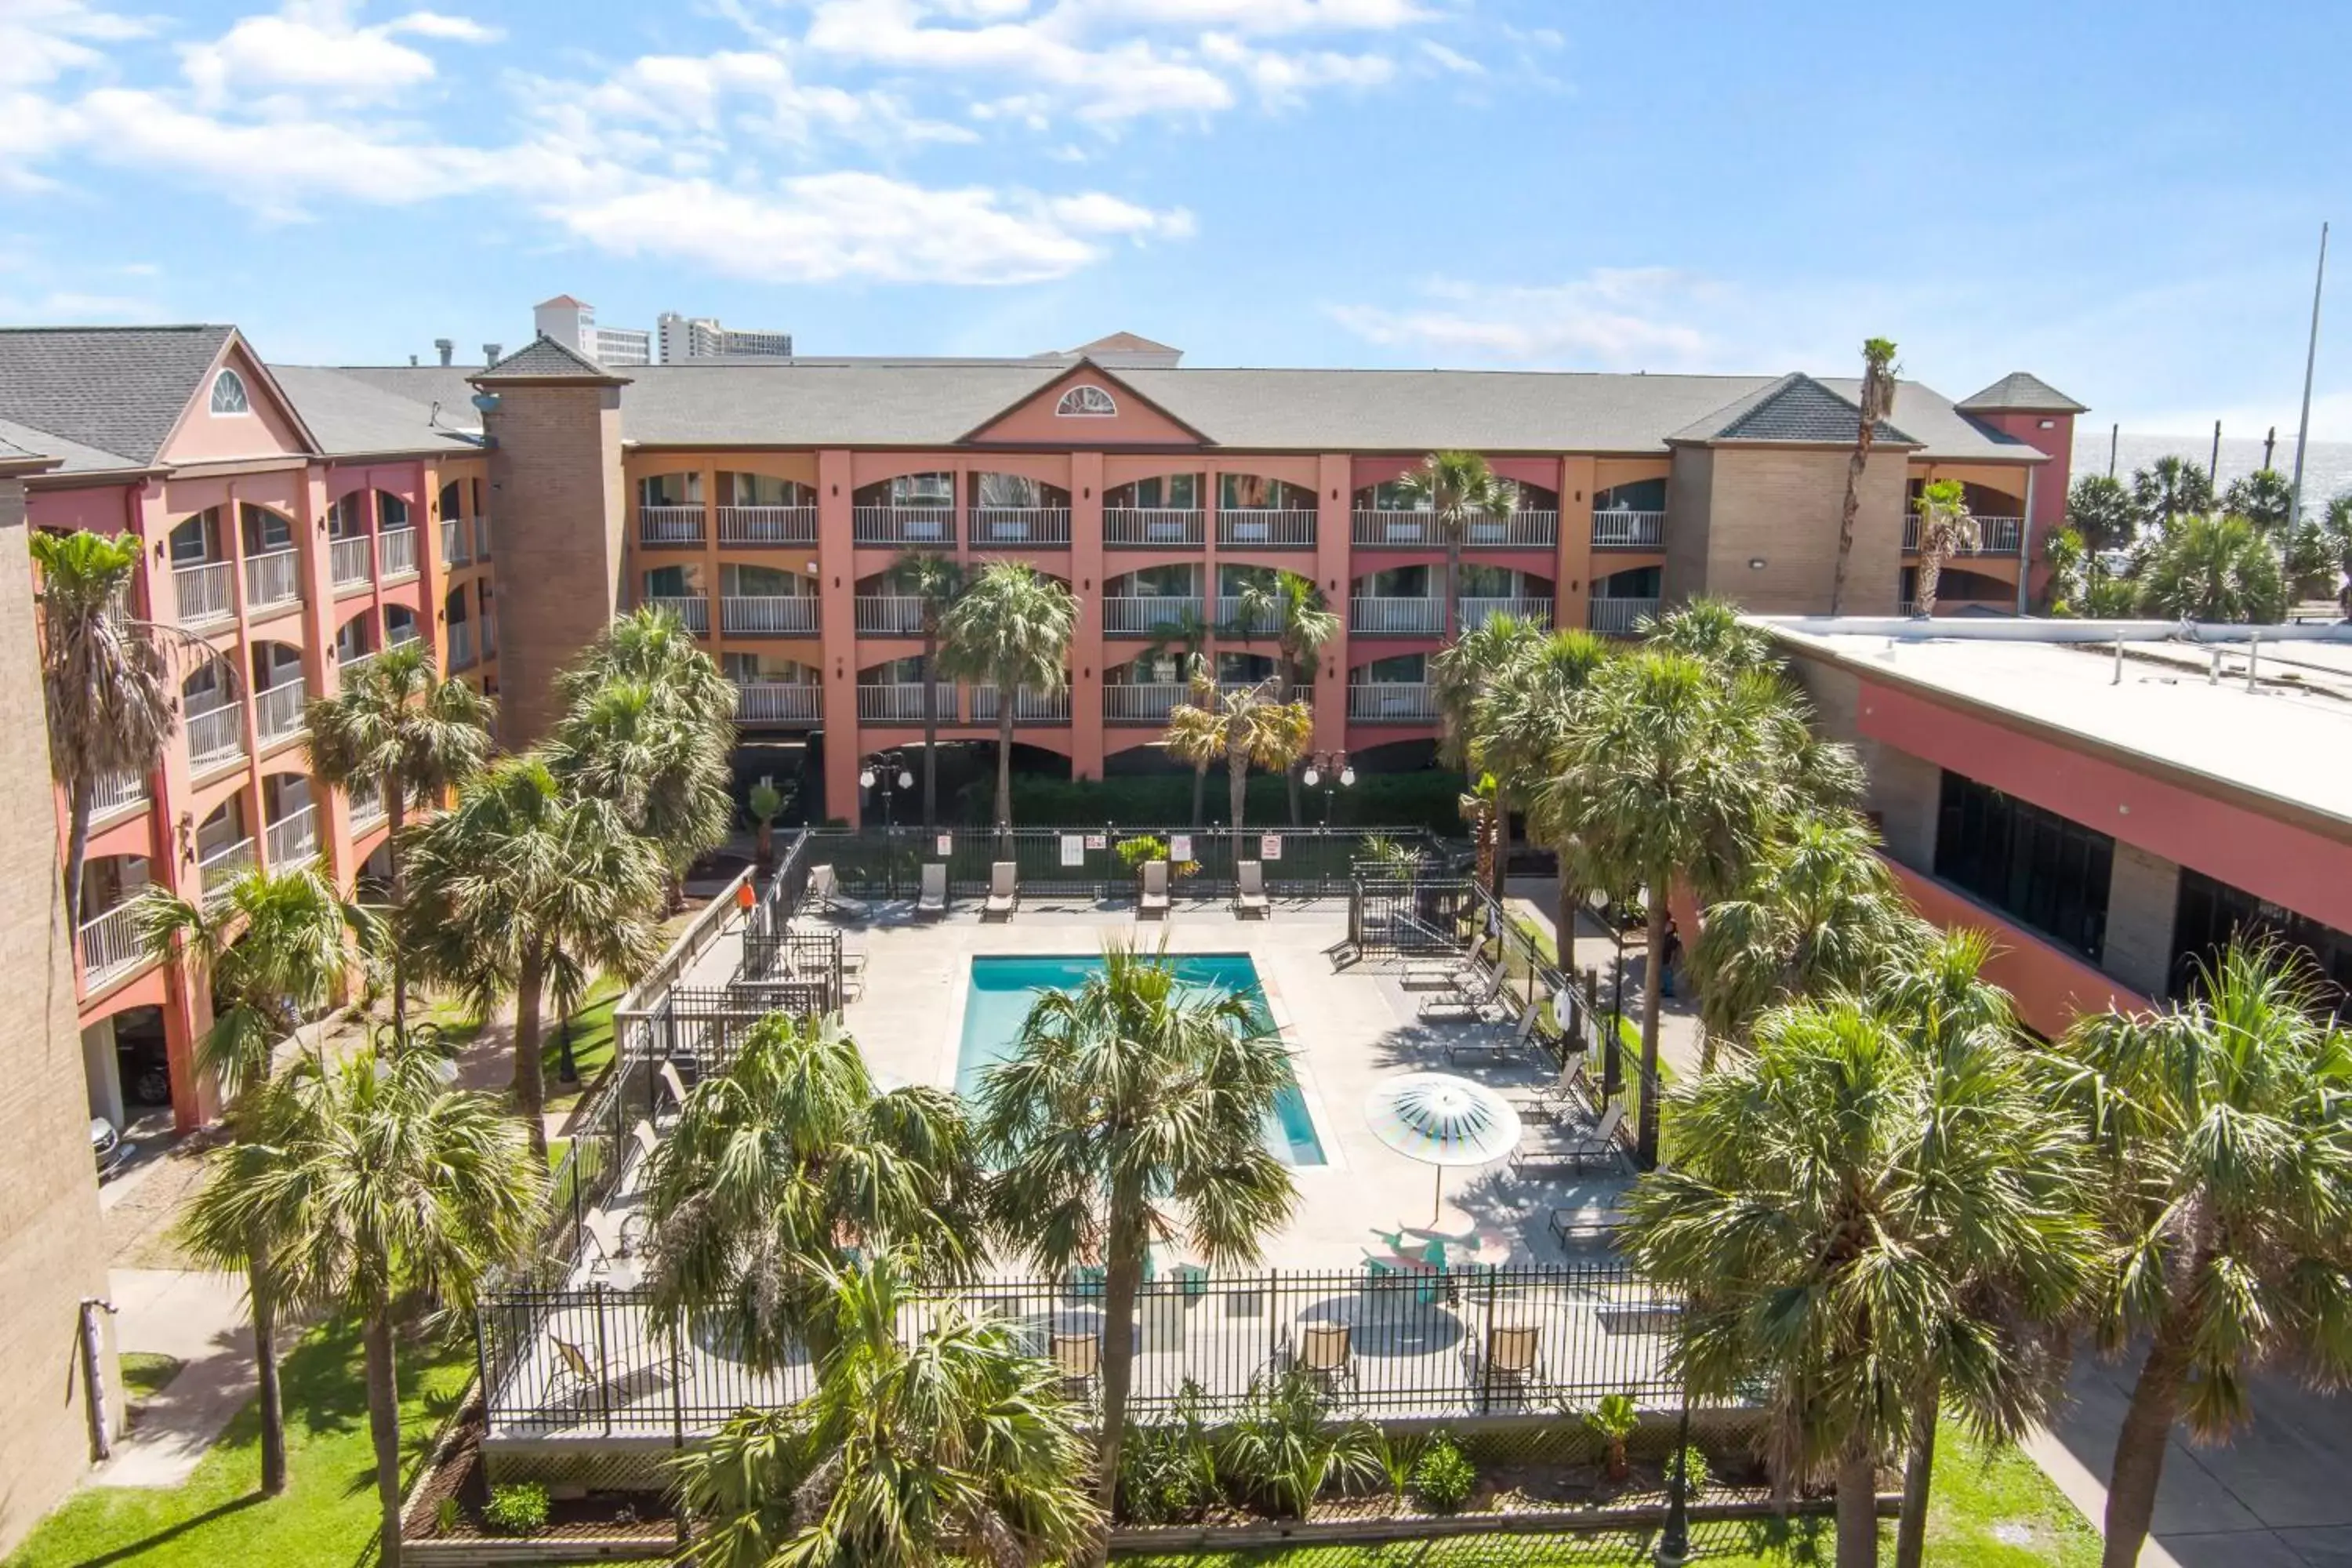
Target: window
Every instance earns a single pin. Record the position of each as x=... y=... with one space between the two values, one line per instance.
x=390 y=512
x=1085 y=403
x=2032 y=865
x=228 y=393
x=2210 y=913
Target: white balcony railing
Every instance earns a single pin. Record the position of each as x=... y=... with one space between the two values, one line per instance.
x=114 y=793
x=1528 y=528
x=1150 y=527
x=1396 y=617
x=1029 y=706
x=1148 y=615
x=462 y=651
x=1141 y=704
x=275 y=578
x=216 y=736
x=1620 y=530
x=1410 y=529
x=396 y=550
x=1619 y=617
x=203 y=592
x=1995 y=536
x=349 y=564
x=482 y=538
x=767 y=615
x=456 y=541
x=693 y=609
x=277 y=711
x=1018 y=525
x=1391 y=702
x=110 y=944
x=670 y=525
x=888 y=615
x=767 y=525
x=1231 y=621
x=902 y=524
x=1476 y=611
x=1267 y=528
x=778 y=702
x=901 y=702
x=222 y=868
x=367 y=805
x=294 y=838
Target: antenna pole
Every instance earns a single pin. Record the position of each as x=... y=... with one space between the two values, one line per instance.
x=2310 y=360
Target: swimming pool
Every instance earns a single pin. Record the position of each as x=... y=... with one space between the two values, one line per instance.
x=1001 y=990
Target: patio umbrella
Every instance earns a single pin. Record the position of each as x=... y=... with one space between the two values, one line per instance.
x=1442 y=1121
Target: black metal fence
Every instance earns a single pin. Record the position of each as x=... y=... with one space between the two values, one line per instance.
x=589 y=1167
x=1421 y=1345
x=1085 y=863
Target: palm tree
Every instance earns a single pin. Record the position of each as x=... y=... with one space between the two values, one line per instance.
x=765 y=804
x=786 y=1163
x=1519 y=724
x=2214 y=569
x=1012 y=628
x=397 y=727
x=1946 y=527
x=2168 y=488
x=2100 y=507
x=1666 y=777
x=1132 y=1113
x=1192 y=736
x=663 y=765
x=2070 y=566
x=1877 y=398
x=2264 y=498
x=1713 y=630
x=1459 y=674
x=386 y=1188
x=277 y=950
x=652 y=645
x=523 y=888
x=934 y=581
x=1293 y=607
x=1459 y=489
x=1246 y=726
x=2226 y=1169
x=103 y=681
x=1002 y=1477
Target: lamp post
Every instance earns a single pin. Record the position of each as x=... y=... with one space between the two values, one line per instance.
x=1674 y=1541
x=1328 y=771
x=885 y=772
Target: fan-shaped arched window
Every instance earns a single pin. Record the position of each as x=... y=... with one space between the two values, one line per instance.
x=1085 y=403
x=228 y=393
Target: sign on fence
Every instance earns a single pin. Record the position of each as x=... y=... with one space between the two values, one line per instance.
x=947 y=844
x=1269 y=844
x=1074 y=849
x=1179 y=847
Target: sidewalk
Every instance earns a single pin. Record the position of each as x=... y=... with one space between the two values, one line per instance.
x=199 y=1318
x=1531 y=898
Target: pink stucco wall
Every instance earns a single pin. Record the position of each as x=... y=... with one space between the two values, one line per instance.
x=2050 y=986
x=2051 y=481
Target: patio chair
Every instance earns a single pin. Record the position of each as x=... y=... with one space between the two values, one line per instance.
x=1575 y=1150
x=1464 y=1005
x=647 y=1139
x=571 y=1372
x=1326 y=1353
x=1249 y=890
x=1154 y=904
x=1086 y=1280
x=825 y=893
x=672 y=1085
x=1511 y=1364
x=1595 y=1221
x=1078 y=1358
x=608 y=1232
x=932 y=900
x=1190 y=1278
x=1567 y=1097
x=1494 y=1048
x=1004 y=891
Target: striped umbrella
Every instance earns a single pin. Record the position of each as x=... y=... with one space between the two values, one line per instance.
x=1441 y=1119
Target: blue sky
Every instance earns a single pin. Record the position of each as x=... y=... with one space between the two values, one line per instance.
x=2125 y=200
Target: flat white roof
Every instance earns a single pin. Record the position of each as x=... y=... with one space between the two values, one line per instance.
x=2290 y=739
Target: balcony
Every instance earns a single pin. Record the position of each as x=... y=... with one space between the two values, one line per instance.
x=1995 y=536
x=1476 y=612
x=901 y=702
x=1522 y=529
x=216 y=736
x=222 y=868
x=1029 y=706
x=1148 y=616
x=1629 y=530
x=272 y=579
x=692 y=609
x=670 y=527
x=482 y=538
x=203 y=594
x=110 y=945
x=1396 y=617
x=1231 y=622
x=888 y=615
x=349 y=564
x=767 y=525
x=294 y=840
x=1153 y=528
x=278 y=712
x=367 y=805
x=1396 y=530
x=777 y=703
x=463 y=654
x=1619 y=617
x=1265 y=527
x=456 y=541
x=902 y=525
x=1141 y=704
x=767 y=615
x=396 y=550
x=1391 y=702
x=116 y=794
x=1012 y=526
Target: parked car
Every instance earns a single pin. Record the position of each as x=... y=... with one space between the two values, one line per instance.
x=109 y=1147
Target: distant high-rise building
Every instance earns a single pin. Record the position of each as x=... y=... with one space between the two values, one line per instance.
x=685 y=338
x=573 y=322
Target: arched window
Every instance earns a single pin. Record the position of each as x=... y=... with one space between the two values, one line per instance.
x=1085 y=403
x=228 y=393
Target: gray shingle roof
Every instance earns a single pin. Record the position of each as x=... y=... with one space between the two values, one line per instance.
x=1794 y=409
x=73 y=457
x=2023 y=393
x=543 y=359
x=115 y=390
x=349 y=415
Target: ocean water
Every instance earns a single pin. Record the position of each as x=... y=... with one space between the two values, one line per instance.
x=2327 y=472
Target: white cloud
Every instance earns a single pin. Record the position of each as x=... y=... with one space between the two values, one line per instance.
x=41 y=40
x=314 y=45
x=1612 y=318
x=436 y=24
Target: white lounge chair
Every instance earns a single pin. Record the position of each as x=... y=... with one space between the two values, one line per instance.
x=1565 y=1098
x=1155 y=892
x=668 y=1072
x=1249 y=890
x=1576 y=1148
x=1004 y=891
x=1464 y=1002
x=933 y=899
x=1496 y=1048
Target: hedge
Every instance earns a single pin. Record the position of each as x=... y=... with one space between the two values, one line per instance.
x=1428 y=799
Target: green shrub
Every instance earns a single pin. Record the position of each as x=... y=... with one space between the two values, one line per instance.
x=1696 y=1477
x=445 y=1516
x=1444 y=1477
x=1286 y=1449
x=517 y=1509
x=1168 y=1471
x=1427 y=798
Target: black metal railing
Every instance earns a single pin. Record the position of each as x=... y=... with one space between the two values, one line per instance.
x=1085 y=863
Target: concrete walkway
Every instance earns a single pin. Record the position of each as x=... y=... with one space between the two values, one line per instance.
x=1678 y=1044
x=200 y=1319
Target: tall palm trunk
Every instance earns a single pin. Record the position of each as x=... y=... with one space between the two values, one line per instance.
x=395 y=818
x=383 y=1427
x=1199 y=792
x=1653 y=990
x=1931 y=574
x=529 y=1073
x=1502 y=871
x=1122 y=1275
x=1290 y=774
x=932 y=722
x=1849 y=510
x=2138 y=1463
x=1857 y=1508
x=262 y=1286
x=1453 y=575
x=1004 y=767
x=1238 y=786
x=1918 y=1475
x=77 y=851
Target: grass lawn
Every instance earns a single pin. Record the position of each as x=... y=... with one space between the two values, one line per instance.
x=144 y=1373
x=591 y=1043
x=328 y=1513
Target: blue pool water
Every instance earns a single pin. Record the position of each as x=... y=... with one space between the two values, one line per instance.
x=1003 y=990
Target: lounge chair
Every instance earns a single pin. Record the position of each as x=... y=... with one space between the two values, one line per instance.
x=611 y=1232
x=1154 y=906
x=1463 y=1003
x=1326 y=1353
x=572 y=1370
x=933 y=896
x=1249 y=890
x=1567 y=1097
x=1496 y=1048
x=1511 y=1364
x=1577 y=1149
x=647 y=1140
x=1004 y=891
x=674 y=1086
x=825 y=893
x=1595 y=1221
x=1078 y=1358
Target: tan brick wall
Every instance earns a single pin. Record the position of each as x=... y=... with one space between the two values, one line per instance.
x=2143 y=897
x=51 y=1254
x=1779 y=505
x=1689 y=507
x=561 y=507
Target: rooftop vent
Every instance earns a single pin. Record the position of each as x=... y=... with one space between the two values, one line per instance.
x=490 y=354
x=446 y=348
